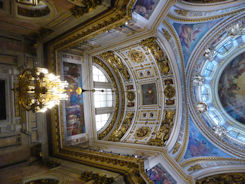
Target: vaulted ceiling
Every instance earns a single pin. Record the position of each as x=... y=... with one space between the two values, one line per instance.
x=165 y=60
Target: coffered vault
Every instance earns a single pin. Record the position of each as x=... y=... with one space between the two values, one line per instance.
x=159 y=58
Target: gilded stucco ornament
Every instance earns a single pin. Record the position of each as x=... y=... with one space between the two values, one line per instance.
x=131 y=95
x=195 y=167
x=117 y=134
x=116 y=63
x=136 y=56
x=169 y=91
x=142 y=132
x=181 y=12
x=163 y=134
x=176 y=147
x=166 y=34
x=156 y=51
x=234 y=178
x=153 y=47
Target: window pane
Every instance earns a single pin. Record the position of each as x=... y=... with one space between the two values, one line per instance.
x=101 y=120
x=102 y=99
x=98 y=75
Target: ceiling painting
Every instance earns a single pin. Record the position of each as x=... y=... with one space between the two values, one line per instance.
x=149 y=94
x=190 y=35
x=231 y=88
x=199 y=146
x=159 y=175
x=145 y=7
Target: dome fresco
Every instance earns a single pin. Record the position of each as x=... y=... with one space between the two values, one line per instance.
x=231 y=88
x=218 y=86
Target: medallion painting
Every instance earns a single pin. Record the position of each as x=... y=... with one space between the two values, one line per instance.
x=149 y=94
x=190 y=34
x=74 y=112
x=231 y=88
x=160 y=176
x=145 y=7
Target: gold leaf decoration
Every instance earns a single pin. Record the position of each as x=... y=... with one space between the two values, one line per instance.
x=116 y=63
x=169 y=91
x=118 y=133
x=163 y=134
x=136 y=56
x=142 y=132
x=195 y=167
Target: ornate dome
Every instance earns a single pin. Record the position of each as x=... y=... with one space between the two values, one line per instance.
x=217 y=85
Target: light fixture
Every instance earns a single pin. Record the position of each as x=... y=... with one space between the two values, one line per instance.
x=39 y=90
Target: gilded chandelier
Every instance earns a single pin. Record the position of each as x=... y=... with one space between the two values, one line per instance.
x=39 y=90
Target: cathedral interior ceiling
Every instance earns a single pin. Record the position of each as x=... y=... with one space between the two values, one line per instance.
x=149 y=68
x=161 y=63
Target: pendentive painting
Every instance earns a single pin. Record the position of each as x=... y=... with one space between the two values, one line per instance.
x=190 y=34
x=199 y=146
x=231 y=89
x=160 y=176
x=149 y=94
x=145 y=7
x=74 y=109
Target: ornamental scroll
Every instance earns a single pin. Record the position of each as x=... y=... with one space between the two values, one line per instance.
x=116 y=63
x=163 y=134
x=117 y=134
x=156 y=51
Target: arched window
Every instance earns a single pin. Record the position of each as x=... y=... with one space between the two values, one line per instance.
x=103 y=97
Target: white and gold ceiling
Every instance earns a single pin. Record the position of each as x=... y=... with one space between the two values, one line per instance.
x=167 y=61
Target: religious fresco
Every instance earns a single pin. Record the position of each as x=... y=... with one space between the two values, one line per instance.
x=149 y=94
x=231 y=88
x=145 y=7
x=199 y=146
x=160 y=176
x=190 y=34
x=74 y=110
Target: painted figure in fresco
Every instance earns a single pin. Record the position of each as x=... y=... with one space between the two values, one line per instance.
x=198 y=148
x=158 y=176
x=74 y=106
x=232 y=88
x=188 y=34
x=144 y=7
